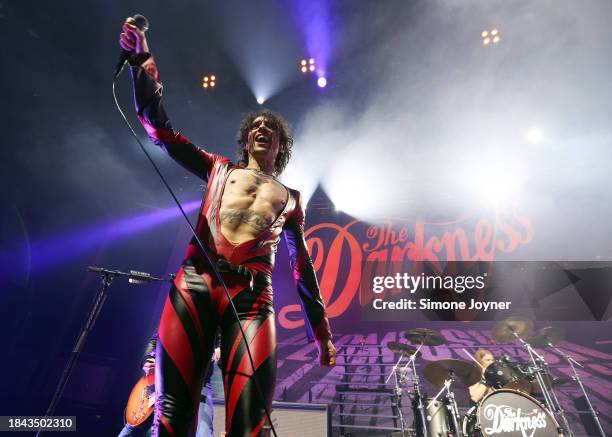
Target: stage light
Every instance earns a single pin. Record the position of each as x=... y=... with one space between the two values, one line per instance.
x=260 y=100
x=307 y=65
x=359 y=197
x=534 y=136
x=322 y=82
x=48 y=253
x=490 y=36
x=209 y=81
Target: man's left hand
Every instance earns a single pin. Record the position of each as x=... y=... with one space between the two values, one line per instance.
x=327 y=352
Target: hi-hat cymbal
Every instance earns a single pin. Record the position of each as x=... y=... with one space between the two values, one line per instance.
x=402 y=349
x=504 y=331
x=549 y=334
x=428 y=337
x=437 y=372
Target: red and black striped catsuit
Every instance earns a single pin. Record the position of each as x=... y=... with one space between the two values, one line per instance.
x=197 y=304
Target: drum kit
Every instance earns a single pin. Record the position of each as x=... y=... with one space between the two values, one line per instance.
x=519 y=398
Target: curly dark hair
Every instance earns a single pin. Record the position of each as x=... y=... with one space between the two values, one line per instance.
x=276 y=122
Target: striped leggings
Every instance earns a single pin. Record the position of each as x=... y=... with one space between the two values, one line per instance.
x=195 y=306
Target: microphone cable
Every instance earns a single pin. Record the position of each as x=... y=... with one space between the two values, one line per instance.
x=202 y=248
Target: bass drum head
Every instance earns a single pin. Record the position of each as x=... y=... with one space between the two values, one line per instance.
x=510 y=413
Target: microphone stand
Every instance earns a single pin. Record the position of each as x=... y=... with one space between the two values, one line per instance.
x=106 y=278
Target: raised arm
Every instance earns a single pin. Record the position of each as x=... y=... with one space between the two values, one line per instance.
x=313 y=307
x=150 y=111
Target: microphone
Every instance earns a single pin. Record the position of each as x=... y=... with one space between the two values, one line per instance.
x=141 y=22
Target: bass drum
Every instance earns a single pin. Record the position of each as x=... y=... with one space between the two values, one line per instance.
x=509 y=413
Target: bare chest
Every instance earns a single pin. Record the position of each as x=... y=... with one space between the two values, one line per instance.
x=251 y=200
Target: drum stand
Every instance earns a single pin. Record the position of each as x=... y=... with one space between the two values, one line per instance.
x=416 y=390
x=399 y=380
x=540 y=371
x=572 y=362
x=451 y=405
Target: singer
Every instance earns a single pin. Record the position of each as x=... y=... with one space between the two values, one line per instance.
x=244 y=211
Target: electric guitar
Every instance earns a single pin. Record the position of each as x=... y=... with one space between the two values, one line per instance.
x=141 y=402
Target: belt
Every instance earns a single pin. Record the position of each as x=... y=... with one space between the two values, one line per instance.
x=255 y=278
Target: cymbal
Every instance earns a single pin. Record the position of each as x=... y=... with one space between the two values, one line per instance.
x=428 y=337
x=503 y=331
x=535 y=387
x=549 y=334
x=402 y=349
x=438 y=371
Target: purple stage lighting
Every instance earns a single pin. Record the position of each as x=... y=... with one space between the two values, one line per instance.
x=53 y=251
x=322 y=82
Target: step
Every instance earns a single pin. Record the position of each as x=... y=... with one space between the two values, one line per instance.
x=379 y=428
x=364 y=392
x=361 y=404
x=339 y=383
x=382 y=416
x=342 y=354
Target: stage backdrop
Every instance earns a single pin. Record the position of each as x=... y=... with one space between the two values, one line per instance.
x=345 y=252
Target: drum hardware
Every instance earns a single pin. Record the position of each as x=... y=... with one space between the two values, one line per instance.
x=401 y=377
x=546 y=336
x=402 y=349
x=576 y=377
x=437 y=372
x=451 y=404
x=540 y=371
x=443 y=374
x=549 y=336
x=422 y=337
x=505 y=331
x=416 y=391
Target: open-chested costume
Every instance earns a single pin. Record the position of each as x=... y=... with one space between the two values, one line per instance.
x=197 y=304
